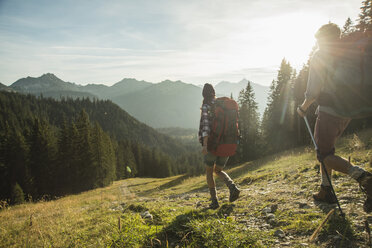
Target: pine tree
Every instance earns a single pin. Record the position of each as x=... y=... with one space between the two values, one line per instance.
x=73 y=169
x=138 y=156
x=63 y=171
x=348 y=28
x=124 y=159
x=278 y=123
x=4 y=165
x=103 y=158
x=19 y=161
x=84 y=149
x=365 y=17
x=129 y=162
x=249 y=147
x=42 y=158
x=120 y=164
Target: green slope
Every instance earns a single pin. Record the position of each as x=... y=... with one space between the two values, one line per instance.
x=111 y=118
x=281 y=184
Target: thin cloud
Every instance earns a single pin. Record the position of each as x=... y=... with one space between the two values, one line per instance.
x=193 y=41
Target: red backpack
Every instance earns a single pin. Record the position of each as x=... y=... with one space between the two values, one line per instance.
x=224 y=135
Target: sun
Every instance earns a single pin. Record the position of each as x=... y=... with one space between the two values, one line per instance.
x=293 y=37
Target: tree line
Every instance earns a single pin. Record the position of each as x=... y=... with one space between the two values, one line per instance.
x=47 y=150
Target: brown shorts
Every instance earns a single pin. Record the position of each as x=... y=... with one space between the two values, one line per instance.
x=210 y=160
x=327 y=129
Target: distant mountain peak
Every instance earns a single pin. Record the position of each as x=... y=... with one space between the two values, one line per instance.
x=130 y=81
x=244 y=80
x=168 y=81
x=49 y=76
x=127 y=79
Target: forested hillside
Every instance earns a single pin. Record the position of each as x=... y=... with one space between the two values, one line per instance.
x=53 y=148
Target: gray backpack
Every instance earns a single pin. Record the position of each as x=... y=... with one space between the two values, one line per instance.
x=351 y=81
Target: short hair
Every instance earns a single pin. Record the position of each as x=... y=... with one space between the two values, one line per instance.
x=328 y=31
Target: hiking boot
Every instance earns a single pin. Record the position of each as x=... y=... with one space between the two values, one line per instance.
x=325 y=195
x=214 y=204
x=234 y=193
x=367 y=206
x=365 y=183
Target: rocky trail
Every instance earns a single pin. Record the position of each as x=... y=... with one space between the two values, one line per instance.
x=281 y=208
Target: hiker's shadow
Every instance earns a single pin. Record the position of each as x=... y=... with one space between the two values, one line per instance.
x=179 y=230
x=222 y=212
x=338 y=231
x=225 y=210
x=325 y=207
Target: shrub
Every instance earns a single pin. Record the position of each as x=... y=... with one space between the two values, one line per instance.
x=17 y=195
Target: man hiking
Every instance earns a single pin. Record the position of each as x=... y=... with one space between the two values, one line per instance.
x=213 y=162
x=329 y=124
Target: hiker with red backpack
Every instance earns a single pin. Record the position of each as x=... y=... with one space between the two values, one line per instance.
x=218 y=134
x=340 y=82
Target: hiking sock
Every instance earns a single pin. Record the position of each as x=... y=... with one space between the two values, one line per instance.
x=355 y=172
x=325 y=181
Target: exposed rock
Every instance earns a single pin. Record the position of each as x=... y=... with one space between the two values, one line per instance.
x=303 y=205
x=270 y=209
x=266 y=210
x=146 y=215
x=279 y=233
x=270 y=216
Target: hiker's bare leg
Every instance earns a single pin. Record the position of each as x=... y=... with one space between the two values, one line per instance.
x=342 y=165
x=334 y=162
x=212 y=187
x=221 y=174
x=234 y=191
x=218 y=169
x=210 y=179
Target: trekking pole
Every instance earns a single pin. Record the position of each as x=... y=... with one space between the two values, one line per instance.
x=323 y=166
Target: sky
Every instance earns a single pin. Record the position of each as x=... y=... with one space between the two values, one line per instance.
x=102 y=42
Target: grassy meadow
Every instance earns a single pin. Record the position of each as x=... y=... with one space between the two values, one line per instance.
x=275 y=209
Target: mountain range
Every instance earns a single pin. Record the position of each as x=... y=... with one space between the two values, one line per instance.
x=5 y=88
x=261 y=92
x=164 y=104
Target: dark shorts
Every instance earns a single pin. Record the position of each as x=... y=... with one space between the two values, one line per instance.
x=327 y=129
x=211 y=159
